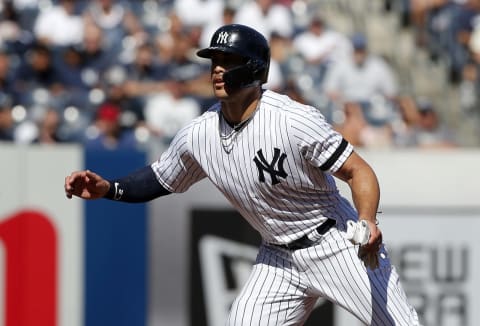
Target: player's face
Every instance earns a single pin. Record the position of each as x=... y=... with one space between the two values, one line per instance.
x=222 y=62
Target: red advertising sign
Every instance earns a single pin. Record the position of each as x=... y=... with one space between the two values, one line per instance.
x=30 y=243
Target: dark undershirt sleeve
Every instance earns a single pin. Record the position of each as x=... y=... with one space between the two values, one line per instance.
x=138 y=187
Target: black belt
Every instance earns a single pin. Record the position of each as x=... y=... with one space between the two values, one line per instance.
x=305 y=242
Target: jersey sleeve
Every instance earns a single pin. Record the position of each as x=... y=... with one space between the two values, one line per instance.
x=319 y=144
x=177 y=169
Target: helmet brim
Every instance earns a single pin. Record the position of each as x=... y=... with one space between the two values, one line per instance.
x=205 y=53
x=210 y=51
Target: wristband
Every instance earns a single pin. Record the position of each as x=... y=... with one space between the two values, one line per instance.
x=114 y=191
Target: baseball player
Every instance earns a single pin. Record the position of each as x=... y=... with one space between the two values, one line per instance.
x=276 y=161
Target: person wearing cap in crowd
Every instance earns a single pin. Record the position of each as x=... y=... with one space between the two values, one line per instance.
x=364 y=83
x=431 y=132
x=107 y=132
x=362 y=76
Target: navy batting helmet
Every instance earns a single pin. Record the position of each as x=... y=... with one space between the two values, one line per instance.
x=245 y=42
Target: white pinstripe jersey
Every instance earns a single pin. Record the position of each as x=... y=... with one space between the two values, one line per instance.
x=275 y=170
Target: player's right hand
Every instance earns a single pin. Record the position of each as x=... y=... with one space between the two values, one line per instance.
x=86 y=185
x=369 y=252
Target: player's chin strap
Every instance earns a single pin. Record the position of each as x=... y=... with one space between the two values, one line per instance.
x=243 y=76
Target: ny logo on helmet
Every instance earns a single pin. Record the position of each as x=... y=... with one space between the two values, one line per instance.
x=222 y=37
x=263 y=165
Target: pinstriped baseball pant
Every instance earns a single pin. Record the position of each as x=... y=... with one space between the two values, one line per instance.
x=285 y=285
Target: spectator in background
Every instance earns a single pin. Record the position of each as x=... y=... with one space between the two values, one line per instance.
x=95 y=58
x=321 y=45
x=145 y=65
x=420 y=125
x=48 y=128
x=140 y=77
x=431 y=132
x=116 y=20
x=59 y=25
x=37 y=71
x=362 y=76
x=366 y=80
x=69 y=62
x=93 y=47
x=173 y=99
x=266 y=16
x=117 y=88
x=168 y=111
x=162 y=95
x=106 y=132
x=419 y=13
x=183 y=75
x=165 y=40
x=177 y=74
x=177 y=31
x=85 y=70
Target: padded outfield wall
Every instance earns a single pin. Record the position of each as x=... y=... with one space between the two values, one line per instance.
x=179 y=260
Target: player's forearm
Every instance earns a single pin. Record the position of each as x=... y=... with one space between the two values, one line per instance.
x=363 y=183
x=138 y=187
x=365 y=193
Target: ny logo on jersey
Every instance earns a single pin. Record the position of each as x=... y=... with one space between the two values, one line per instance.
x=263 y=165
x=222 y=38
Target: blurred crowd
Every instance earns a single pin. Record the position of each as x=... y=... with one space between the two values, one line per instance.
x=450 y=31
x=122 y=74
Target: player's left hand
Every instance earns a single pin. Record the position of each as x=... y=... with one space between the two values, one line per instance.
x=368 y=252
x=86 y=185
